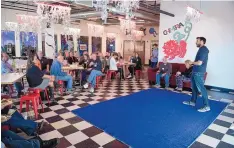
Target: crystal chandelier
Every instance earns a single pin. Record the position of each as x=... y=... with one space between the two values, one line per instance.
x=54 y=14
x=193 y=14
x=28 y=23
x=127 y=25
x=102 y=5
x=127 y=7
x=75 y=32
x=95 y=30
x=11 y=26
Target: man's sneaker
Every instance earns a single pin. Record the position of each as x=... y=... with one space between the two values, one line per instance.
x=91 y=90
x=129 y=76
x=86 y=86
x=167 y=88
x=157 y=86
x=204 y=109
x=68 y=92
x=189 y=103
x=40 y=125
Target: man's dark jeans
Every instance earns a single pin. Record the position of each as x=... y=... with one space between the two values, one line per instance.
x=197 y=82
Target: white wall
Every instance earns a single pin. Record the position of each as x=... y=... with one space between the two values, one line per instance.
x=217 y=26
x=9 y=15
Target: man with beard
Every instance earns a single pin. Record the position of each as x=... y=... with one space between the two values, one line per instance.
x=198 y=73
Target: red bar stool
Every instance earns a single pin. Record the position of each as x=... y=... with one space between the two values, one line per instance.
x=34 y=99
x=110 y=73
x=98 y=81
x=38 y=90
x=60 y=86
x=138 y=74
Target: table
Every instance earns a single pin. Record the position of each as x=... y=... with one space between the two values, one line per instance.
x=79 y=68
x=11 y=78
x=127 y=64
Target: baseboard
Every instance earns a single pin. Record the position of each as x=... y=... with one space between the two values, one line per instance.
x=220 y=89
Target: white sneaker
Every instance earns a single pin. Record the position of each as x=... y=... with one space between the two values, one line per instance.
x=189 y=103
x=91 y=90
x=157 y=86
x=129 y=76
x=86 y=86
x=204 y=109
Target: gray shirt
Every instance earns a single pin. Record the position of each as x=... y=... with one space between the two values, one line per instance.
x=165 y=68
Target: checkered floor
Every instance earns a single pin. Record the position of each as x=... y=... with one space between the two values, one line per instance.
x=75 y=132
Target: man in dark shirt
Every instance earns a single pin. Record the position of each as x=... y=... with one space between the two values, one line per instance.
x=198 y=74
x=45 y=67
x=96 y=70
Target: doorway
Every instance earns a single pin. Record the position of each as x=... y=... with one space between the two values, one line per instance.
x=134 y=46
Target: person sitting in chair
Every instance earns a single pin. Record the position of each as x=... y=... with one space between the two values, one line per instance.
x=36 y=78
x=184 y=76
x=56 y=70
x=164 y=71
x=96 y=70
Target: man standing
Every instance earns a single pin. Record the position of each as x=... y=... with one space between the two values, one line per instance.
x=198 y=73
x=154 y=57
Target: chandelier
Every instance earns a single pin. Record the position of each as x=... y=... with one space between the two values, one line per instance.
x=95 y=30
x=102 y=5
x=11 y=26
x=193 y=14
x=75 y=32
x=28 y=23
x=127 y=25
x=127 y=7
x=54 y=14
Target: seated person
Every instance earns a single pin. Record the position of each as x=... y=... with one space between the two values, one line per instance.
x=113 y=65
x=107 y=58
x=164 y=71
x=45 y=67
x=120 y=63
x=71 y=59
x=56 y=70
x=29 y=127
x=7 y=68
x=184 y=76
x=138 y=66
x=76 y=57
x=103 y=60
x=96 y=70
x=84 y=62
x=37 y=79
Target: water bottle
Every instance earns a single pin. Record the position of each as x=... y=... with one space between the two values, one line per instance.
x=13 y=64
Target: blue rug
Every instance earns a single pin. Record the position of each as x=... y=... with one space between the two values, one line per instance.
x=151 y=119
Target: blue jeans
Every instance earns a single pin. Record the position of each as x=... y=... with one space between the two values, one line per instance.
x=11 y=139
x=92 y=77
x=197 y=82
x=153 y=64
x=18 y=86
x=66 y=78
x=166 y=78
x=17 y=121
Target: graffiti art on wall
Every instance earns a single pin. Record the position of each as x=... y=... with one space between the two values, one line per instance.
x=28 y=41
x=178 y=46
x=153 y=32
x=8 y=42
x=173 y=28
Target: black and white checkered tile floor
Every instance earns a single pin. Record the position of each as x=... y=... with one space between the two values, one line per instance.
x=75 y=132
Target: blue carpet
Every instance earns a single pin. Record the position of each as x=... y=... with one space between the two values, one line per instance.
x=151 y=119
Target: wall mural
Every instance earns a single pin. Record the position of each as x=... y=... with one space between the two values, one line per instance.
x=28 y=41
x=96 y=44
x=153 y=32
x=67 y=42
x=83 y=43
x=110 y=45
x=8 y=42
x=178 y=46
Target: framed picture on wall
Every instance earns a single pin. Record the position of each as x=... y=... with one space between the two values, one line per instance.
x=8 y=42
x=67 y=42
x=96 y=44
x=83 y=43
x=28 y=41
x=110 y=44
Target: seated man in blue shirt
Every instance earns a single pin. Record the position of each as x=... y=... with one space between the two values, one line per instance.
x=96 y=69
x=7 y=68
x=56 y=70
